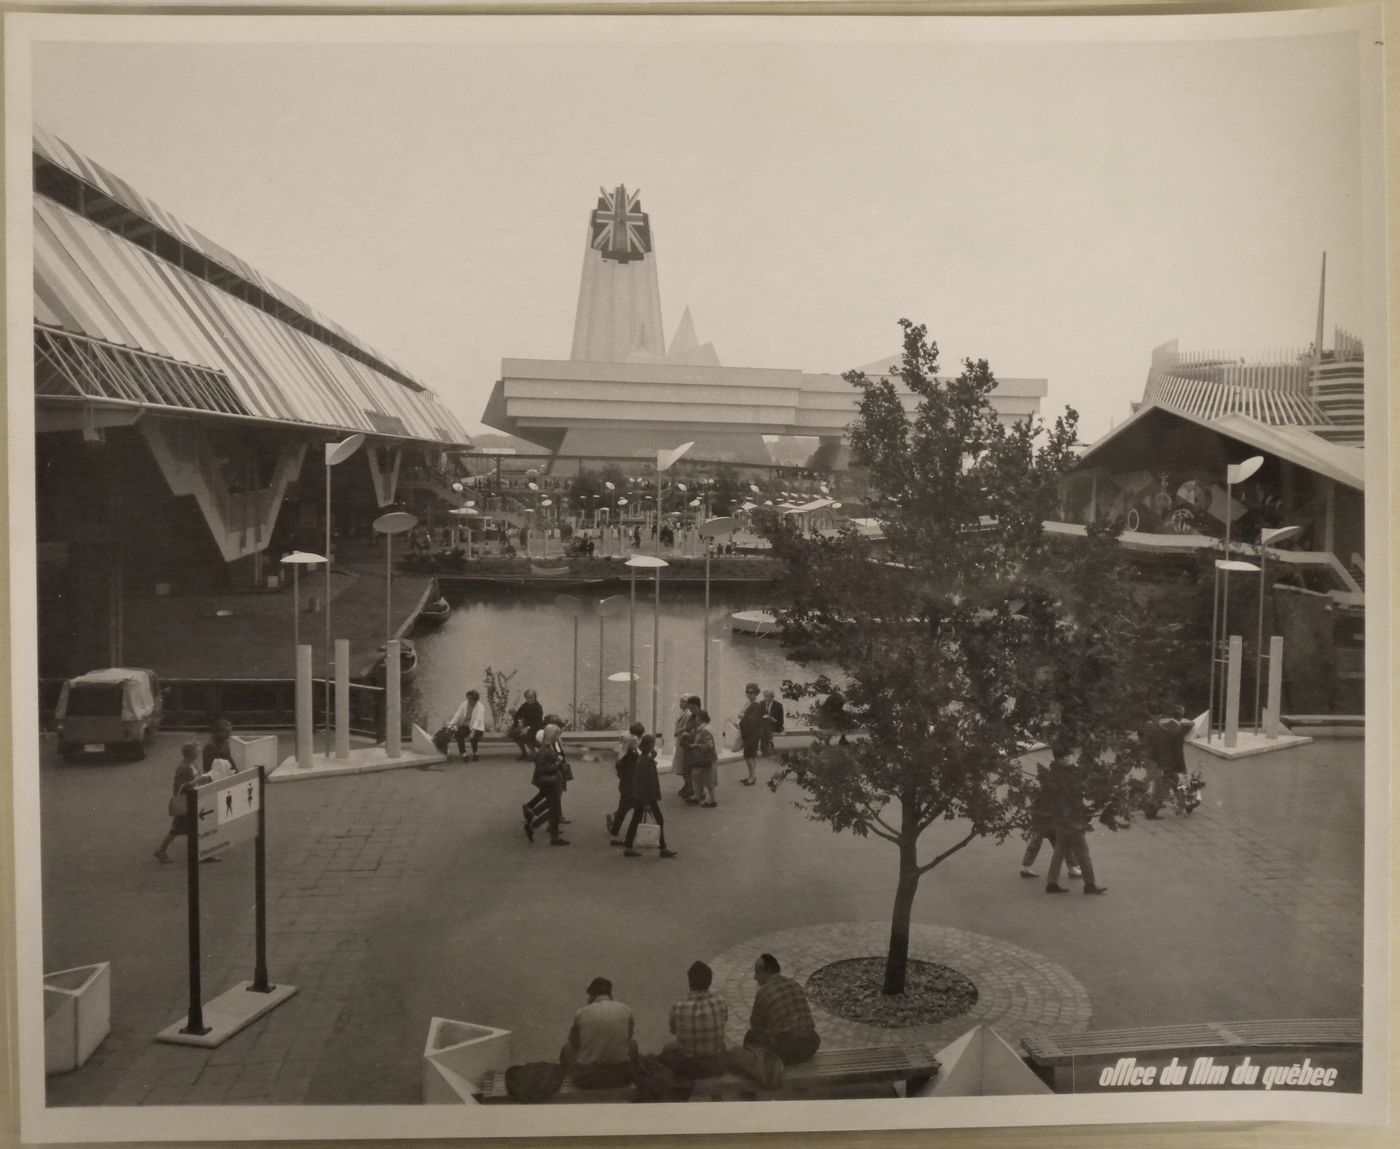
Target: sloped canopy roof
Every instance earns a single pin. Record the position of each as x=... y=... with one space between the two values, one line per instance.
x=131 y=305
x=1145 y=435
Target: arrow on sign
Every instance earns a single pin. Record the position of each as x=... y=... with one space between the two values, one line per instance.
x=205 y=814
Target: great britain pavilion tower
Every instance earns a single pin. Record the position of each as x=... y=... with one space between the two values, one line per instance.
x=625 y=393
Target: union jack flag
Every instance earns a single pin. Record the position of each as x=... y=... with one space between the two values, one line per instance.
x=620 y=227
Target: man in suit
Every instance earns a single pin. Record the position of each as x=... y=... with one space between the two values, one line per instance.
x=773 y=717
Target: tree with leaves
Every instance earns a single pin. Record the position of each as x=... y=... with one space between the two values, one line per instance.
x=966 y=635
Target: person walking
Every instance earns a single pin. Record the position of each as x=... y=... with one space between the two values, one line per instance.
x=626 y=768
x=187 y=777
x=1042 y=828
x=1071 y=821
x=217 y=754
x=704 y=774
x=1166 y=745
x=646 y=799
x=551 y=772
x=751 y=730
x=773 y=718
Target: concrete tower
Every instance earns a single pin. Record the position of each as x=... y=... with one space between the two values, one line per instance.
x=619 y=299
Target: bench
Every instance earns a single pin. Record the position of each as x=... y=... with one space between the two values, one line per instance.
x=829 y=1070
x=1057 y=1057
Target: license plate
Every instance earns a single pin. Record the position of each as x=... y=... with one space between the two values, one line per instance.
x=94 y=747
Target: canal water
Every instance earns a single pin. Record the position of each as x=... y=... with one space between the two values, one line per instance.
x=523 y=633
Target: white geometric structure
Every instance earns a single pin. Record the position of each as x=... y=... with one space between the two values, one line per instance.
x=77 y=1014
x=455 y=1057
x=981 y=1064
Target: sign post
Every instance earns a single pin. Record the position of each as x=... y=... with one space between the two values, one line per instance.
x=222 y=815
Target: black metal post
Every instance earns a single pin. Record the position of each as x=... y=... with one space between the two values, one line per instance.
x=260 y=894
x=194 y=1023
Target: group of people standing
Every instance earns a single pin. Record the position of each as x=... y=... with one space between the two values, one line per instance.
x=601 y=1050
x=696 y=755
x=215 y=759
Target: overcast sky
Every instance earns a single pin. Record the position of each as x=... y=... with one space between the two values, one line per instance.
x=1059 y=208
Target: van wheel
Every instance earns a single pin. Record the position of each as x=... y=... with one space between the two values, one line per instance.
x=68 y=751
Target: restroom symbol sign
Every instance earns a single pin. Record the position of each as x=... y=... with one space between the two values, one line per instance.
x=238 y=797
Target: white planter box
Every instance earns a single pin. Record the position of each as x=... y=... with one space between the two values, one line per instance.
x=456 y=1055
x=77 y=1014
x=251 y=752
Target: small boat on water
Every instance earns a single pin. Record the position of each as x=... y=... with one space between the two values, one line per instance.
x=408 y=661
x=756 y=622
x=436 y=612
x=548 y=572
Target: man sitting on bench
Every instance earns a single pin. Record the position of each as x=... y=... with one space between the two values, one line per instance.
x=781 y=1020
x=600 y=1051
x=698 y=1021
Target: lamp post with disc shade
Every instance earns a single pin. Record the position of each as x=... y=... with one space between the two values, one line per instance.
x=335 y=454
x=654 y=564
x=606 y=606
x=389 y=525
x=296 y=560
x=1234 y=473
x=571 y=605
x=1267 y=538
x=710 y=531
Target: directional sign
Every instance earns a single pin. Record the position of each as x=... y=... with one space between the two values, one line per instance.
x=228 y=812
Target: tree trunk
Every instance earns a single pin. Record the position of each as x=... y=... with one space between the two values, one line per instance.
x=898 y=957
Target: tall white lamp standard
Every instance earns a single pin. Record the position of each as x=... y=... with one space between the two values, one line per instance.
x=544 y=529
x=336 y=453
x=297 y=560
x=301 y=669
x=394 y=523
x=1234 y=473
x=572 y=605
x=709 y=531
x=654 y=564
x=1267 y=537
x=606 y=606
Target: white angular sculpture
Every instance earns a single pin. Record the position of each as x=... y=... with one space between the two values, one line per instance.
x=455 y=1057
x=77 y=1014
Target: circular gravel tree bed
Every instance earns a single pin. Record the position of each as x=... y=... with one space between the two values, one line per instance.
x=852 y=990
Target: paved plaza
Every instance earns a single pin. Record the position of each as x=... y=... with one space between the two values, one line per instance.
x=398 y=896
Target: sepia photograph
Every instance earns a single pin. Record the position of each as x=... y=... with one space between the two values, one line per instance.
x=916 y=480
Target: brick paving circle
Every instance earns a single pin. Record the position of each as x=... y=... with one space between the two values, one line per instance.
x=1018 y=992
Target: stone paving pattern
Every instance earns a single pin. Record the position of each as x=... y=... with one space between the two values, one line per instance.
x=1018 y=992
x=398 y=896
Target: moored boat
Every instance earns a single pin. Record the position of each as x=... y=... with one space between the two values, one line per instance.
x=435 y=613
x=756 y=622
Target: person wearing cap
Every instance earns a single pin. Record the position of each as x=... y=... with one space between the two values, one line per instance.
x=751 y=729
x=600 y=1049
x=698 y=1022
x=548 y=780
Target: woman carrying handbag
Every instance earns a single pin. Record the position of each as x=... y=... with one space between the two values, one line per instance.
x=646 y=798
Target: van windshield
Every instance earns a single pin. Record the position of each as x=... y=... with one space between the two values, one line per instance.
x=96 y=701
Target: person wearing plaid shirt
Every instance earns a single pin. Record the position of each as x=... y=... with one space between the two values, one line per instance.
x=781 y=1020
x=698 y=1022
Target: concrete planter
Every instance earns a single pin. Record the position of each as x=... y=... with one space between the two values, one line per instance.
x=456 y=1055
x=251 y=752
x=77 y=1014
